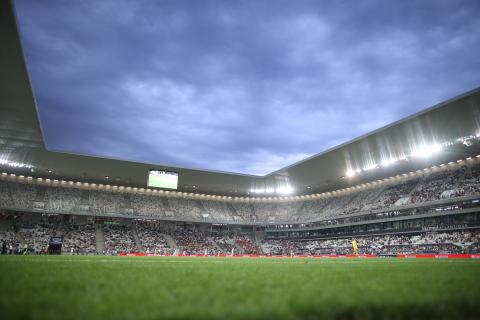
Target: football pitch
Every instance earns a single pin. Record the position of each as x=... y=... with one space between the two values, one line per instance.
x=99 y=287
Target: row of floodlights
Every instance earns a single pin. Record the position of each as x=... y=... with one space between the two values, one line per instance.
x=421 y=152
x=281 y=190
x=139 y=190
x=219 y=197
x=424 y=151
x=15 y=164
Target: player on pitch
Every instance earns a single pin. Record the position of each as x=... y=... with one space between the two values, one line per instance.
x=355 y=247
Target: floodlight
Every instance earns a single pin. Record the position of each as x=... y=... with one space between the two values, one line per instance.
x=426 y=151
x=285 y=190
x=350 y=173
x=387 y=162
x=369 y=167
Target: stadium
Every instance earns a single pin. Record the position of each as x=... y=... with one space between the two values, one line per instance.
x=384 y=226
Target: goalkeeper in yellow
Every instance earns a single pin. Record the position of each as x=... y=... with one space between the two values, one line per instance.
x=355 y=247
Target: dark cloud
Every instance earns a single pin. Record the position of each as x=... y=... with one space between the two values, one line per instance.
x=243 y=86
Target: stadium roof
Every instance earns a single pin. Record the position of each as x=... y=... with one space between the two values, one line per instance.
x=452 y=126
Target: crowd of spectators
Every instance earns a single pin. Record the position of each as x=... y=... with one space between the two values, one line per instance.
x=217 y=210
x=5 y=198
x=225 y=243
x=147 y=205
x=62 y=199
x=430 y=242
x=313 y=210
x=106 y=202
x=185 y=208
x=244 y=210
x=471 y=182
x=288 y=211
x=24 y=195
x=394 y=193
x=37 y=235
x=247 y=245
x=362 y=200
x=191 y=242
x=434 y=185
x=78 y=238
x=119 y=238
x=8 y=241
x=152 y=240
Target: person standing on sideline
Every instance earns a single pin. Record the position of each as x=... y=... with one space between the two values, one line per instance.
x=355 y=247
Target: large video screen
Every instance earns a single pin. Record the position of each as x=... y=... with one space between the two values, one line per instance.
x=163 y=179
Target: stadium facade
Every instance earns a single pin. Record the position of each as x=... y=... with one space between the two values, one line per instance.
x=416 y=175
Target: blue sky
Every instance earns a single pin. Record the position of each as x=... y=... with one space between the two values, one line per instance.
x=239 y=86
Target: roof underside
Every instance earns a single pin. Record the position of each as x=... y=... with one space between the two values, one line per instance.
x=21 y=141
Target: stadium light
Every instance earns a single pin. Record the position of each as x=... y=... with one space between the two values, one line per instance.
x=15 y=164
x=426 y=151
x=369 y=167
x=285 y=190
x=388 y=162
x=350 y=173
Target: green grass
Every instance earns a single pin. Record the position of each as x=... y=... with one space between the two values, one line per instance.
x=81 y=287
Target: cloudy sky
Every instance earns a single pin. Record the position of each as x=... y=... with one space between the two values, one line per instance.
x=240 y=86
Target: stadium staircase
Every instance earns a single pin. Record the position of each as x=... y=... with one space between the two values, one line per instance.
x=39 y=202
x=171 y=243
x=256 y=238
x=273 y=213
x=232 y=210
x=463 y=175
x=99 y=237
x=379 y=193
x=165 y=203
x=238 y=248
x=210 y=240
x=326 y=204
x=40 y=196
x=418 y=186
x=200 y=206
x=20 y=237
x=85 y=198
x=346 y=204
x=297 y=212
x=318 y=210
x=138 y=243
x=252 y=209
x=127 y=204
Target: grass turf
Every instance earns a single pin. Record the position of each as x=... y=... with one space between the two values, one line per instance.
x=97 y=287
